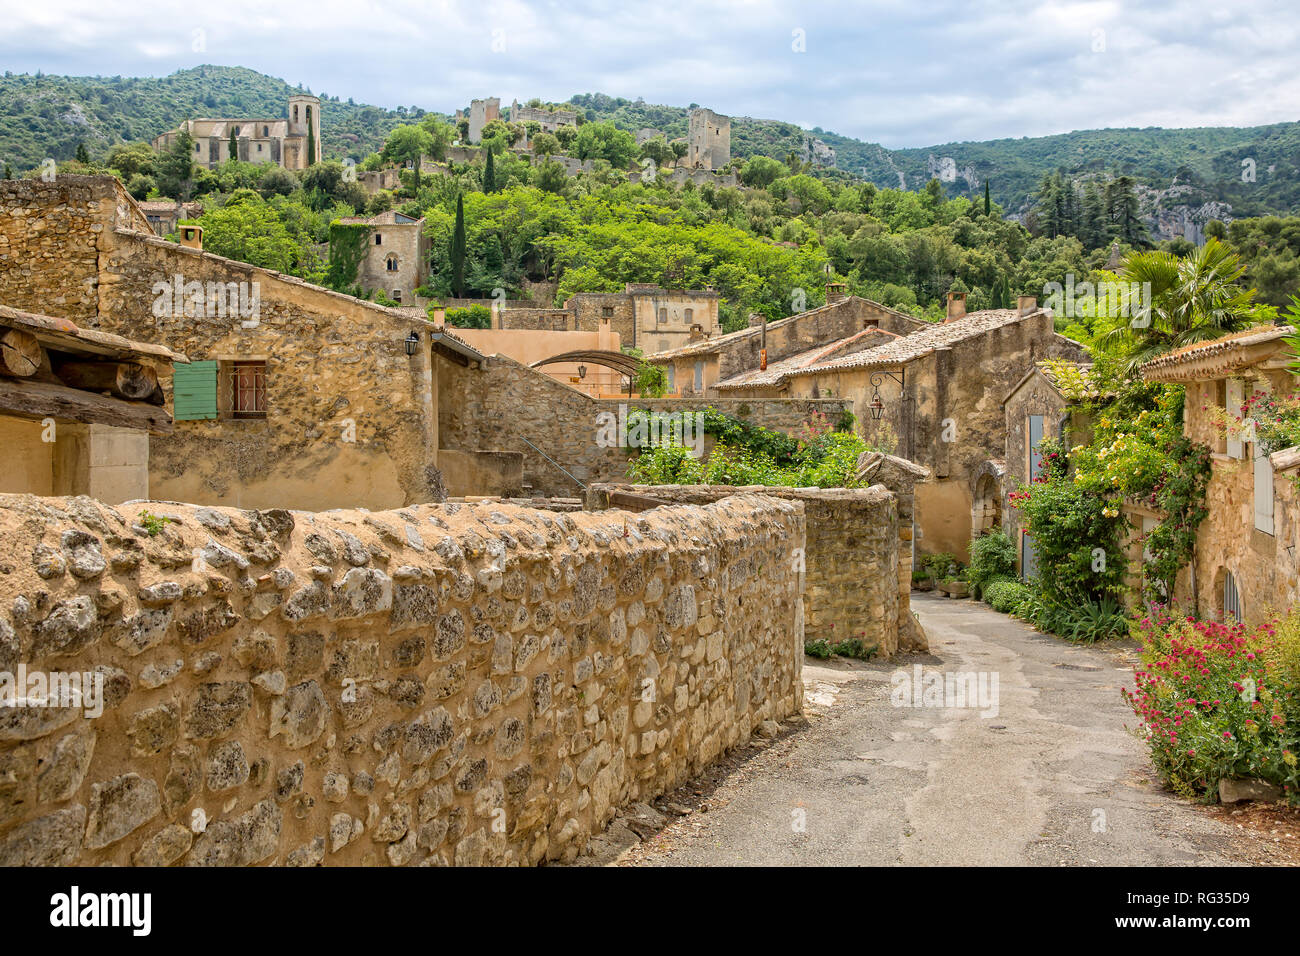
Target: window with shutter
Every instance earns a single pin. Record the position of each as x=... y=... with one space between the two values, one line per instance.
x=1236 y=393
x=194 y=391
x=1263 y=491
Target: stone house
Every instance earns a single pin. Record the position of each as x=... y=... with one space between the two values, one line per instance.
x=165 y=214
x=697 y=368
x=77 y=407
x=643 y=316
x=1244 y=565
x=290 y=142
x=397 y=254
x=935 y=394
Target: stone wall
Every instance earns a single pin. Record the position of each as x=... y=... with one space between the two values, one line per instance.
x=467 y=684
x=517 y=406
x=858 y=557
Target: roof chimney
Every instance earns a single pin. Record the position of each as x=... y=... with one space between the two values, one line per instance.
x=440 y=317
x=834 y=292
x=956 y=306
x=1026 y=304
x=755 y=319
x=191 y=236
x=697 y=332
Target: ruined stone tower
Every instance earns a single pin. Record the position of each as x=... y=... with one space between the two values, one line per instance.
x=708 y=139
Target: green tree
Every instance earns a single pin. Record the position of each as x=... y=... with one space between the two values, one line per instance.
x=1194 y=299
x=761 y=171
x=458 y=249
x=234 y=145
x=489 y=178
x=565 y=135
x=408 y=144
x=545 y=144
x=176 y=168
x=83 y=156
x=311 y=143
x=247 y=229
x=441 y=137
x=605 y=141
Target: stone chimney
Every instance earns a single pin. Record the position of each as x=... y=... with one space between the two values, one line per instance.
x=191 y=236
x=440 y=318
x=1026 y=304
x=956 y=306
x=835 y=292
x=697 y=332
x=755 y=319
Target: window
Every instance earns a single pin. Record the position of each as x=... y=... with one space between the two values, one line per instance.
x=397 y=295
x=1231 y=598
x=391 y=263
x=663 y=316
x=699 y=376
x=690 y=316
x=607 y=312
x=295 y=114
x=259 y=147
x=266 y=131
x=379 y=240
x=194 y=391
x=246 y=382
x=672 y=377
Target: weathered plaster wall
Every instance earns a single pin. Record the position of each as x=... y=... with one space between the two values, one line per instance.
x=461 y=684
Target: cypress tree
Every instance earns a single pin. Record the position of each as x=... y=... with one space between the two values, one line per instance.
x=489 y=175
x=311 y=145
x=234 y=144
x=82 y=155
x=988 y=206
x=458 y=250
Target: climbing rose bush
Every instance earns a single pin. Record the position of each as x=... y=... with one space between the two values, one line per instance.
x=1219 y=700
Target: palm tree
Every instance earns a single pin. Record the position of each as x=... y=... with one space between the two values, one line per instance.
x=1193 y=299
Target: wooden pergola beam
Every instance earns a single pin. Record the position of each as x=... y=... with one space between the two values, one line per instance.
x=37 y=400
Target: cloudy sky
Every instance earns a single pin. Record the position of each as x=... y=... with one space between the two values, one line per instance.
x=897 y=72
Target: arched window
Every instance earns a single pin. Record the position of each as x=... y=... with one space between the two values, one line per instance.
x=663 y=316
x=1231 y=598
x=391 y=263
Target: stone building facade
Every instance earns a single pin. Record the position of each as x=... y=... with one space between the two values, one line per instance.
x=549 y=120
x=445 y=684
x=708 y=139
x=1244 y=565
x=290 y=142
x=643 y=316
x=482 y=112
x=397 y=254
x=938 y=391
x=695 y=369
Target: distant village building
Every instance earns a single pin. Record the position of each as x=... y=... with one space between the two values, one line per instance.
x=285 y=142
x=644 y=316
x=550 y=120
x=164 y=214
x=708 y=139
x=481 y=112
x=397 y=254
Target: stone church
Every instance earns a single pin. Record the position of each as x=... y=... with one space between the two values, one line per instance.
x=285 y=142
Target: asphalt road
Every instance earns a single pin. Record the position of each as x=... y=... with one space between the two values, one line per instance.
x=1052 y=778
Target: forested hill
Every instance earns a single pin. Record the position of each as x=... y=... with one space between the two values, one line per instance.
x=1206 y=162
x=45 y=115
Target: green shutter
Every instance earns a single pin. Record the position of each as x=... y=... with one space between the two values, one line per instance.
x=194 y=391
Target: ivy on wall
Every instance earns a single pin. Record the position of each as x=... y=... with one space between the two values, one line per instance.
x=348 y=244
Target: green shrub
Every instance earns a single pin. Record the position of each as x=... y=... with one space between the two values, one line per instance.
x=820 y=649
x=992 y=555
x=1091 y=622
x=1005 y=594
x=938 y=564
x=855 y=648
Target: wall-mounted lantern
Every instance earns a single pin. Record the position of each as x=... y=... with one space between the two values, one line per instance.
x=877 y=406
x=412 y=342
x=582 y=371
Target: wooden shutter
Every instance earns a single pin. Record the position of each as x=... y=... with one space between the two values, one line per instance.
x=1263 y=491
x=1035 y=439
x=1236 y=393
x=194 y=391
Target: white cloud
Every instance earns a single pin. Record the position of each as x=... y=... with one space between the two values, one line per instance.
x=900 y=73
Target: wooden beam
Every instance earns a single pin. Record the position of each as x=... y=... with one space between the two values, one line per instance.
x=129 y=380
x=20 y=353
x=38 y=400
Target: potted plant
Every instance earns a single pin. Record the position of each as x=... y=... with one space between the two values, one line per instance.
x=955 y=585
x=922 y=580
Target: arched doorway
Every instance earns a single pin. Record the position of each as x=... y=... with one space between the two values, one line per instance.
x=986 y=498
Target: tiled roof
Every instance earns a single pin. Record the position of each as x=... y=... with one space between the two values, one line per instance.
x=717 y=343
x=390 y=217
x=66 y=335
x=922 y=342
x=1220 y=353
x=776 y=371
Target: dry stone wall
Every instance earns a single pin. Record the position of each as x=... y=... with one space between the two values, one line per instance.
x=852 y=583
x=444 y=684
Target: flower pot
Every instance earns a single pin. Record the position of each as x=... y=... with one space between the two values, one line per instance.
x=957 y=589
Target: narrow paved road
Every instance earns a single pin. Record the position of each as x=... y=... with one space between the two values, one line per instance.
x=1052 y=779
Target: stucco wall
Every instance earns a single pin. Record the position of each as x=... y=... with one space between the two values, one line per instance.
x=462 y=684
